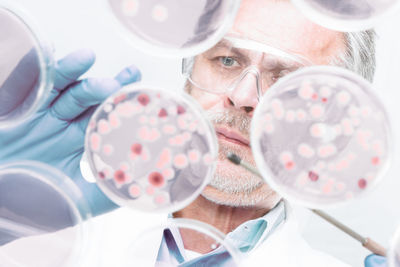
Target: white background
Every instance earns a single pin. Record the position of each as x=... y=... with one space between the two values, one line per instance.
x=73 y=24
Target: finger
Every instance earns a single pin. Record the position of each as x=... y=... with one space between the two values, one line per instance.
x=68 y=70
x=375 y=261
x=129 y=75
x=71 y=67
x=90 y=92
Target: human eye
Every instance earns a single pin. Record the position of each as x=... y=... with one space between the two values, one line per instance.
x=228 y=61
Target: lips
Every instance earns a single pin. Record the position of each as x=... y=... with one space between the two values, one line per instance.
x=231 y=136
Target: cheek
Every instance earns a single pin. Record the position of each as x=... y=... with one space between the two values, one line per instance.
x=207 y=100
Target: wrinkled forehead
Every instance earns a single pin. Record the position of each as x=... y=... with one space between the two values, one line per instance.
x=279 y=24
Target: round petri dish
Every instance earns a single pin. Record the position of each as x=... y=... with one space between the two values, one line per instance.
x=173 y=28
x=166 y=245
x=347 y=15
x=394 y=251
x=41 y=217
x=151 y=149
x=25 y=69
x=320 y=137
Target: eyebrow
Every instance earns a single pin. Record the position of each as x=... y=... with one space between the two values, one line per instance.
x=280 y=62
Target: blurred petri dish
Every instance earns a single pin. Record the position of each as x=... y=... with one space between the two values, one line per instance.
x=174 y=28
x=347 y=15
x=165 y=245
x=41 y=215
x=151 y=149
x=320 y=137
x=25 y=68
x=394 y=252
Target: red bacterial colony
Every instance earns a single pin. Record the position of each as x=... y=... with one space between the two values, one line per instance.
x=163 y=113
x=362 y=183
x=102 y=175
x=136 y=148
x=119 y=176
x=313 y=176
x=156 y=179
x=314 y=96
x=181 y=110
x=324 y=100
x=143 y=99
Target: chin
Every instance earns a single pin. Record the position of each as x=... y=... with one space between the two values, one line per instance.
x=262 y=196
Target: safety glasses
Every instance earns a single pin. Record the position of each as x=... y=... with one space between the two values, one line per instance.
x=226 y=65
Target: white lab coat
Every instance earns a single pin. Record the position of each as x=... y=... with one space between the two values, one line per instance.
x=113 y=235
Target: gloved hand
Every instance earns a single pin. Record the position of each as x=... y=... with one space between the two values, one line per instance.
x=55 y=133
x=374 y=260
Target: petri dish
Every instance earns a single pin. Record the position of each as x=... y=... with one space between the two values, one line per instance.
x=173 y=28
x=164 y=245
x=151 y=149
x=321 y=137
x=25 y=69
x=347 y=15
x=41 y=217
x=394 y=252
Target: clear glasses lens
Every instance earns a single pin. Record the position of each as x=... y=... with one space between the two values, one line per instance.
x=223 y=67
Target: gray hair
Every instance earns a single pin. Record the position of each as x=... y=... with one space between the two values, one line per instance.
x=359 y=55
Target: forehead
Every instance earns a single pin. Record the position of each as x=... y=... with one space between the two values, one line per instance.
x=280 y=24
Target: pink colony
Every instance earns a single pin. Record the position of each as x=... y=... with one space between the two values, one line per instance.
x=165 y=158
x=114 y=119
x=143 y=99
x=102 y=175
x=180 y=110
x=154 y=134
x=289 y=165
x=143 y=133
x=375 y=160
x=162 y=113
x=136 y=148
x=169 y=129
x=150 y=190
x=194 y=155
x=160 y=199
x=156 y=179
x=119 y=98
x=135 y=191
x=362 y=183
x=103 y=127
x=313 y=176
x=316 y=111
x=95 y=140
x=119 y=176
x=107 y=150
x=180 y=161
x=168 y=173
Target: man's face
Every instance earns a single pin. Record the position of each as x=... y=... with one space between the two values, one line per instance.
x=279 y=24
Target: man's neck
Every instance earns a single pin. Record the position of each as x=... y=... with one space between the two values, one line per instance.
x=224 y=218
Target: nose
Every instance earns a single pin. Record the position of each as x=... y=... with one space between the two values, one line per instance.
x=244 y=94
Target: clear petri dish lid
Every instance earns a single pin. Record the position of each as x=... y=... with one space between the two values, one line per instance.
x=347 y=15
x=151 y=149
x=173 y=28
x=321 y=137
x=172 y=243
x=394 y=251
x=25 y=68
x=41 y=217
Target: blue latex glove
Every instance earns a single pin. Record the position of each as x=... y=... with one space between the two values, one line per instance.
x=375 y=261
x=55 y=134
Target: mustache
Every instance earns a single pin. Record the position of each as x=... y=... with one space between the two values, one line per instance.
x=231 y=118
